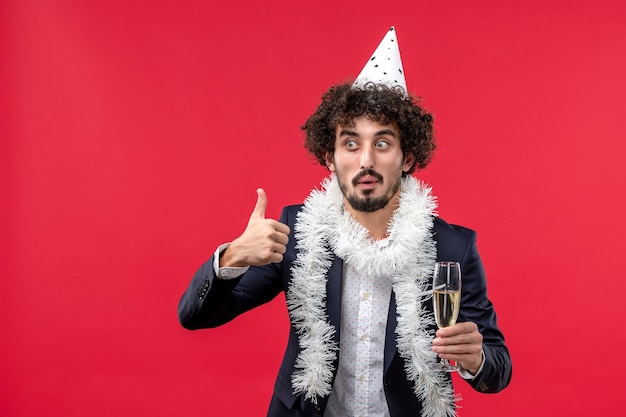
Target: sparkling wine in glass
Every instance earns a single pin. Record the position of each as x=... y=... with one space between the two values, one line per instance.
x=447 y=299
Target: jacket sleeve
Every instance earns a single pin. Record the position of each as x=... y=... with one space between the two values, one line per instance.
x=210 y=301
x=457 y=243
x=476 y=307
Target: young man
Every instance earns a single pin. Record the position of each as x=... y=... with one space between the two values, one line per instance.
x=356 y=262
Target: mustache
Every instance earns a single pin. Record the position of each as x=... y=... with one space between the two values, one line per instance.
x=367 y=172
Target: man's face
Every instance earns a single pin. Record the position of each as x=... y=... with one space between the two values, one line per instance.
x=368 y=162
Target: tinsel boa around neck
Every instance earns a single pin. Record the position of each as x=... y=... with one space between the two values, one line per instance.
x=323 y=228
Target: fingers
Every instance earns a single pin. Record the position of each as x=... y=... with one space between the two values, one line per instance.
x=278 y=240
x=461 y=342
x=461 y=335
x=468 y=355
x=280 y=235
x=261 y=204
x=458 y=344
x=457 y=329
x=270 y=247
x=282 y=230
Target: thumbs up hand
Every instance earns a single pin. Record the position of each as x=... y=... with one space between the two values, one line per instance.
x=262 y=242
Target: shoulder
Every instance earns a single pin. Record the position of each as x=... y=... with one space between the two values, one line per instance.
x=453 y=241
x=289 y=214
x=446 y=229
x=293 y=208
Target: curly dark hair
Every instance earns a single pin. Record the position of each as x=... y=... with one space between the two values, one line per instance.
x=341 y=104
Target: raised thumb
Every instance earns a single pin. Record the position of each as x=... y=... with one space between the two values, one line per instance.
x=261 y=204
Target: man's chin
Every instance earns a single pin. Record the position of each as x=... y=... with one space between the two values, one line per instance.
x=368 y=204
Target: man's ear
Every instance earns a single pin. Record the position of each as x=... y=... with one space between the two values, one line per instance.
x=328 y=156
x=409 y=160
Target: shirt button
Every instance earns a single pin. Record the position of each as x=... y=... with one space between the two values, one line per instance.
x=364 y=336
x=361 y=377
x=366 y=296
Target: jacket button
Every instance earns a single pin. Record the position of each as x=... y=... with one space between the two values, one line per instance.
x=318 y=410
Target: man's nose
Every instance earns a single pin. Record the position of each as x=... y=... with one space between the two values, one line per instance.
x=367 y=158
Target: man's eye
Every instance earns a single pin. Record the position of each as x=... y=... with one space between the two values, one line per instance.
x=381 y=144
x=350 y=144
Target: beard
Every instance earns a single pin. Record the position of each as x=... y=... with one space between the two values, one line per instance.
x=366 y=203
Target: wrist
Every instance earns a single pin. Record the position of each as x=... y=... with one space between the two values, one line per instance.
x=228 y=258
x=476 y=366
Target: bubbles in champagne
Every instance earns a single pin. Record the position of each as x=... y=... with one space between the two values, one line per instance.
x=447 y=304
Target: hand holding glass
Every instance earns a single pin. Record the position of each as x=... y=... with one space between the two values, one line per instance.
x=447 y=299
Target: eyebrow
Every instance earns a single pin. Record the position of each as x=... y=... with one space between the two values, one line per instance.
x=388 y=132
x=346 y=132
x=351 y=133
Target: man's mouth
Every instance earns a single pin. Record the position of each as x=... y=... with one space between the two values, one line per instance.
x=368 y=178
x=367 y=181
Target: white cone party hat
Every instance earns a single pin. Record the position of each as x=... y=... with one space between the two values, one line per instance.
x=385 y=65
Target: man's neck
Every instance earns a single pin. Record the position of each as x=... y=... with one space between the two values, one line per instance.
x=376 y=222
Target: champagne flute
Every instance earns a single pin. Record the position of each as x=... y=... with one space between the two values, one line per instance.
x=447 y=300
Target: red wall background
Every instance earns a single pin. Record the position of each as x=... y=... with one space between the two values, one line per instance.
x=134 y=134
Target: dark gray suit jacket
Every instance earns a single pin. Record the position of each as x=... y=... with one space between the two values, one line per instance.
x=211 y=302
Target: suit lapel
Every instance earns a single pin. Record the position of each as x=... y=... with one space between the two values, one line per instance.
x=390 y=335
x=333 y=294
